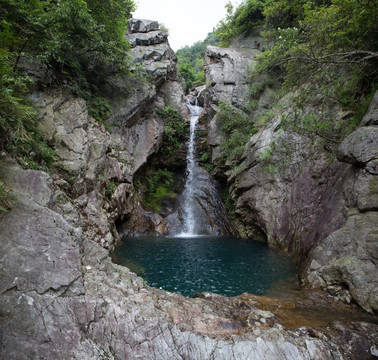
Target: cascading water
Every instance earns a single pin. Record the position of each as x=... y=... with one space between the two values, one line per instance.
x=188 y=196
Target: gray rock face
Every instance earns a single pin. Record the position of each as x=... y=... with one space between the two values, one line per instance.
x=141 y=26
x=300 y=195
x=150 y=49
x=371 y=117
x=62 y=298
x=150 y=38
x=361 y=148
x=91 y=158
x=350 y=256
x=226 y=72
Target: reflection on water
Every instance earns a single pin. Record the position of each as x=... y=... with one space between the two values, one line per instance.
x=223 y=265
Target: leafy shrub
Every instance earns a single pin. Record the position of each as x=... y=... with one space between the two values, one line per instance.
x=5 y=204
x=110 y=188
x=332 y=48
x=159 y=187
x=236 y=128
x=76 y=39
x=231 y=208
x=174 y=129
x=205 y=161
x=240 y=20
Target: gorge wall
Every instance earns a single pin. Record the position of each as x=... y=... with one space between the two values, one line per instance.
x=63 y=298
x=317 y=204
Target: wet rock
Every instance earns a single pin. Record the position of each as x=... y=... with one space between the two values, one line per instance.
x=210 y=213
x=143 y=223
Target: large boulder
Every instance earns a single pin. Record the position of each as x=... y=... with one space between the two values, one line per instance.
x=361 y=148
x=350 y=256
x=150 y=49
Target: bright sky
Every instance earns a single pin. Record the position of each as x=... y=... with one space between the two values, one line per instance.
x=187 y=21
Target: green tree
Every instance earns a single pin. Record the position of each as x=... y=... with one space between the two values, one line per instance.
x=190 y=61
x=333 y=45
x=73 y=38
x=240 y=20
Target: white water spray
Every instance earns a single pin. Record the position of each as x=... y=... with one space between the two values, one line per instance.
x=188 y=194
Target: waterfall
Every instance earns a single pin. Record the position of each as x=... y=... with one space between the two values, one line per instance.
x=188 y=197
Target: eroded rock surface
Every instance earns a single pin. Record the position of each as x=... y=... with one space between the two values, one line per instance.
x=227 y=74
x=69 y=301
x=296 y=191
x=349 y=256
x=61 y=297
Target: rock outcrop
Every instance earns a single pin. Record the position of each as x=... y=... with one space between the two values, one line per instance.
x=63 y=298
x=97 y=161
x=226 y=72
x=319 y=207
x=349 y=256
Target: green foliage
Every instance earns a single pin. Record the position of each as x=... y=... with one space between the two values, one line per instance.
x=99 y=108
x=18 y=122
x=333 y=47
x=240 y=20
x=68 y=34
x=110 y=188
x=236 y=128
x=163 y=28
x=174 y=129
x=5 y=204
x=190 y=61
x=154 y=184
x=205 y=161
x=77 y=39
x=159 y=185
x=231 y=208
x=324 y=49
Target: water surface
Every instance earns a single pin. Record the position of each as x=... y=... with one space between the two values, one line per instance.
x=223 y=265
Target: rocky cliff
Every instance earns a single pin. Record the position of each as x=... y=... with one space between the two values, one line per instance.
x=319 y=207
x=61 y=295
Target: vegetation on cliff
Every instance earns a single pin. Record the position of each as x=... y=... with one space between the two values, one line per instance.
x=236 y=128
x=73 y=41
x=324 y=51
x=190 y=61
x=154 y=183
